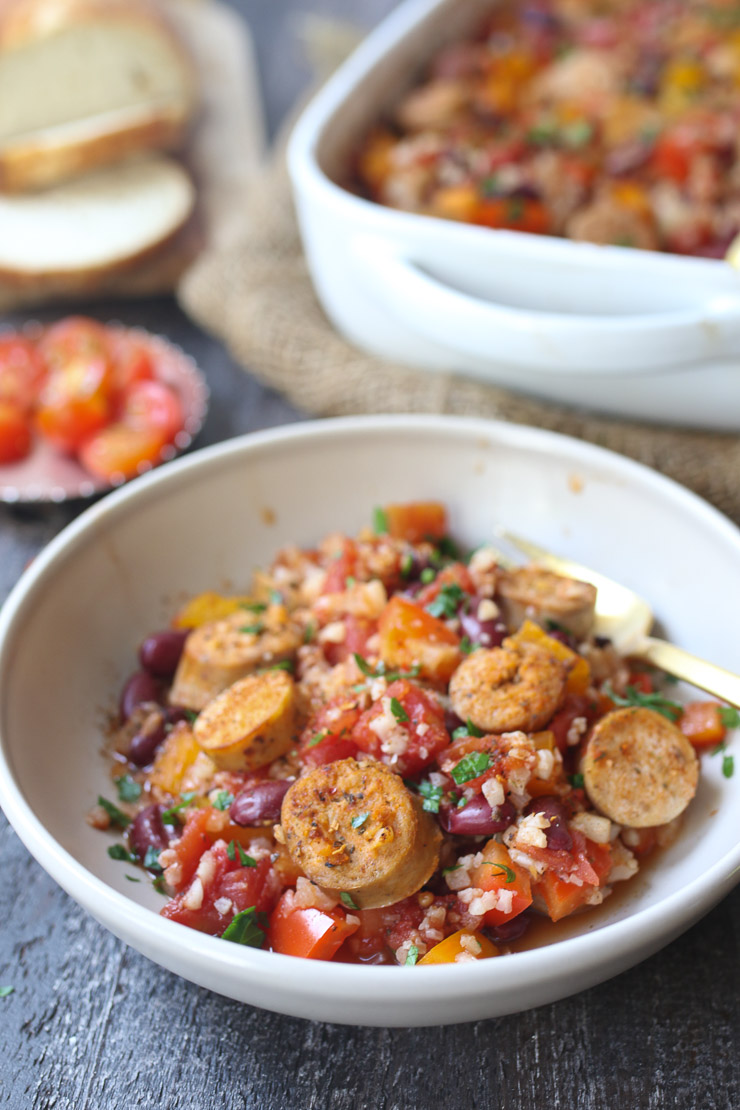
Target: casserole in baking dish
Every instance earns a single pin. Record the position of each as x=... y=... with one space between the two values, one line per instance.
x=635 y=332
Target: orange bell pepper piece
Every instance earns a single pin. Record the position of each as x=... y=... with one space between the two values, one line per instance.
x=447 y=951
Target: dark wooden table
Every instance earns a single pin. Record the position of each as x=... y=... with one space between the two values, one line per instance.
x=92 y=1025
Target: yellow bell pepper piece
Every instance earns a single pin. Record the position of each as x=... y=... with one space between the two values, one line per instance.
x=208 y=607
x=448 y=950
x=579 y=678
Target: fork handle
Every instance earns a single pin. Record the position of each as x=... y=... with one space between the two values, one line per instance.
x=707 y=676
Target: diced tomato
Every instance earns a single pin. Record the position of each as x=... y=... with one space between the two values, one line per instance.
x=410 y=636
x=417 y=521
x=574 y=706
x=191 y=844
x=15 y=433
x=382 y=931
x=22 y=371
x=75 y=339
x=702 y=724
x=75 y=402
x=592 y=864
x=227 y=880
x=342 y=567
x=417 y=715
x=357 y=633
x=152 y=406
x=309 y=932
x=495 y=874
x=326 y=738
x=456 y=574
x=642 y=681
x=561 y=898
x=119 y=451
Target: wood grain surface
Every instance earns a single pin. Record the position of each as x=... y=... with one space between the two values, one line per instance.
x=92 y=1025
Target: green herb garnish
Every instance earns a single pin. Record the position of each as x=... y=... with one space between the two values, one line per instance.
x=348 y=900
x=431 y=794
x=358 y=821
x=507 y=871
x=470 y=767
x=468 y=729
x=276 y=598
x=129 y=790
x=577 y=134
x=309 y=632
x=253 y=606
x=447 y=602
x=729 y=716
x=283 y=665
x=467 y=647
x=380 y=521
x=117 y=851
x=159 y=886
x=245 y=929
x=169 y=815
x=235 y=848
x=151 y=860
x=132 y=878
x=252 y=629
x=381 y=672
x=412 y=957
x=191 y=715
x=514 y=209
x=317 y=738
x=635 y=698
x=728 y=766
x=448 y=870
x=407 y=564
x=398 y=711
x=115 y=814
x=5 y=991
x=427 y=575
x=222 y=800
x=576 y=780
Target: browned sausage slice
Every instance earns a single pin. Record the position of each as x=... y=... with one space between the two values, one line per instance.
x=250 y=724
x=355 y=828
x=537 y=594
x=639 y=768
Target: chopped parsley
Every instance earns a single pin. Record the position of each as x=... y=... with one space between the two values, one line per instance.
x=159 y=886
x=381 y=672
x=398 y=711
x=169 y=815
x=252 y=629
x=358 y=821
x=348 y=900
x=635 y=698
x=447 y=548
x=577 y=134
x=510 y=875
x=411 y=958
x=447 y=602
x=253 y=606
x=428 y=575
x=132 y=879
x=432 y=796
x=467 y=647
x=576 y=780
x=349 y=582
x=5 y=991
x=223 y=800
x=468 y=729
x=117 y=851
x=283 y=665
x=191 y=715
x=115 y=814
x=317 y=738
x=470 y=767
x=151 y=860
x=235 y=848
x=246 y=929
x=449 y=870
x=309 y=632
x=728 y=766
x=129 y=790
x=729 y=716
x=407 y=564
x=380 y=521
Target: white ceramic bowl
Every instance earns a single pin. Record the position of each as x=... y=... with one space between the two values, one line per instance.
x=644 y=334
x=69 y=631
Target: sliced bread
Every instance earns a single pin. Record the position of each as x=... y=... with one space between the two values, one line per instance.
x=84 y=83
x=93 y=226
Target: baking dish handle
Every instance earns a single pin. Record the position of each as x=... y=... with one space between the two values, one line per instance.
x=543 y=341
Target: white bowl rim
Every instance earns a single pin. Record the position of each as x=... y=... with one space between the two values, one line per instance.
x=640 y=929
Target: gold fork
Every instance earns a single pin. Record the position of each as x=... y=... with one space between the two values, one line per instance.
x=627 y=619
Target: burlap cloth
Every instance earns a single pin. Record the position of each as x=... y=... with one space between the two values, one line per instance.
x=255 y=294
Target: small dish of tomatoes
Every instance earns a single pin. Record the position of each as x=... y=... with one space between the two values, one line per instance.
x=85 y=406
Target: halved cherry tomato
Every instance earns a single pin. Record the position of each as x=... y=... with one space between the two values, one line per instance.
x=153 y=406
x=306 y=931
x=72 y=339
x=417 y=521
x=409 y=636
x=132 y=360
x=120 y=451
x=22 y=371
x=702 y=724
x=410 y=713
x=498 y=872
x=15 y=433
x=75 y=402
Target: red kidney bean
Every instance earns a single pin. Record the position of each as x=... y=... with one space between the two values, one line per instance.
x=259 y=802
x=147 y=831
x=628 y=157
x=486 y=633
x=476 y=818
x=139 y=688
x=177 y=713
x=509 y=930
x=558 y=835
x=160 y=653
x=563 y=636
x=146 y=741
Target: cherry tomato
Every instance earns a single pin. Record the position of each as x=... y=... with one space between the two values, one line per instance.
x=120 y=451
x=15 y=433
x=75 y=402
x=153 y=406
x=75 y=337
x=22 y=370
x=307 y=931
x=132 y=361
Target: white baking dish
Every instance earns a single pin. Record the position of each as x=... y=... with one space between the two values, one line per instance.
x=633 y=332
